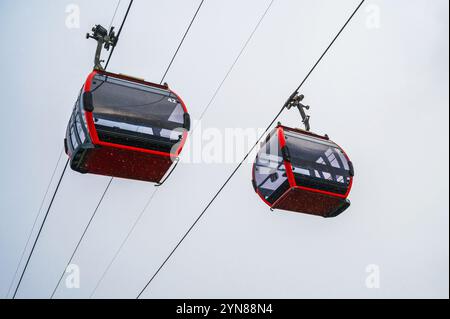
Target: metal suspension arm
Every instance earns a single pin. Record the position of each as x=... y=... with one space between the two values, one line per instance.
x=295 y=101
x=105 y=40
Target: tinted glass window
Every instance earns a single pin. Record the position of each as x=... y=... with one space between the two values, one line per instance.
x=270 y=173
x=73 y=136
x=80 y=130
x=135 y=104
x=135 y=114
x=318 y=163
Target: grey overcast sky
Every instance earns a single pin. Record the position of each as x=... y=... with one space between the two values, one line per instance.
x=381 y=92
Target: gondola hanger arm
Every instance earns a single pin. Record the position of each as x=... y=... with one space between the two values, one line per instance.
x=104 y=40
x=295 y=100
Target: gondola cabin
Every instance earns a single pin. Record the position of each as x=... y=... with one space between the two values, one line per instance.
x=302 y=172
x=127 y=128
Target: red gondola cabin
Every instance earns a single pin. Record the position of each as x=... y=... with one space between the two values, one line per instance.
x=299 y=171
x=125 y=127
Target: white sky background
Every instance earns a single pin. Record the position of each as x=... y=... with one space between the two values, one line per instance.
x=382 y=93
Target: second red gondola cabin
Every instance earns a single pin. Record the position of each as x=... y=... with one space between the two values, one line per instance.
x=303 y=172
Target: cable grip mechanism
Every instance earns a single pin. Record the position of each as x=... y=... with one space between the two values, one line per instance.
x=296 y=101
x=105 y=40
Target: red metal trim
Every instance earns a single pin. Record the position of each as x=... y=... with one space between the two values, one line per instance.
x=93 y=131
x=89 y=116
x=307 y=189
x=287 y=164
x=281 y=137
x=131 y=79
x=297 y=130
x=88 y=83
x=91 y=128
x=313 y=190
x=135 y=149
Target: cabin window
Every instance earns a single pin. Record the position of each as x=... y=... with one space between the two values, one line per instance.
x=136 y=115
x=270 y=173
x=318 y=163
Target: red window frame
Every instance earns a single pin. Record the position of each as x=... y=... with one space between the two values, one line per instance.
x=93 y=131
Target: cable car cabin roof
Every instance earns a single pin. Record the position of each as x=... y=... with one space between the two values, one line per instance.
x=303 y=172
x=125 y=127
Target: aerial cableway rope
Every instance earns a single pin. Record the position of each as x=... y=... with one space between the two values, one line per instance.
x=182 y=41
x=35 y=222
x=120 y=30
x=249 y=152
x=204 y=111
x=80 y=240
x=60 y=179
x=115 y=13
x=112 y=179
x=40 y=229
